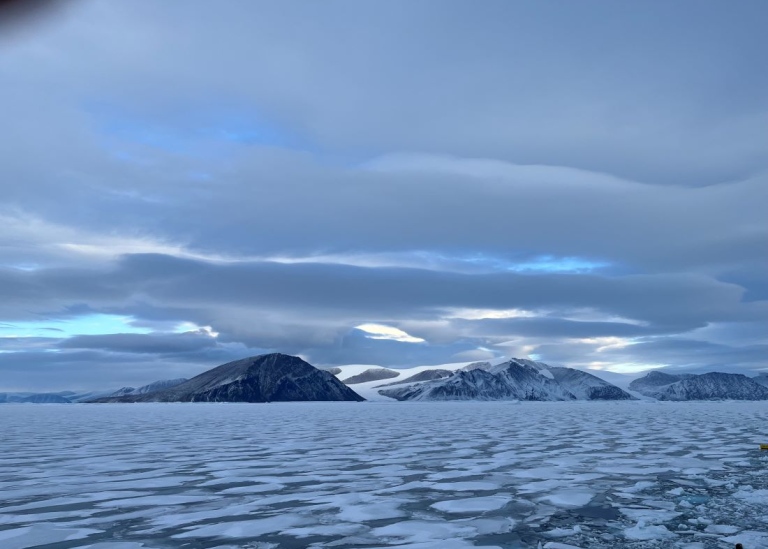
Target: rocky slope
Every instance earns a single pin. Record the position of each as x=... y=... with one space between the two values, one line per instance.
x=272 y=377
x=709 y=386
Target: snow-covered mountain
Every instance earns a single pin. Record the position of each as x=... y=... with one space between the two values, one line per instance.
x=264 y=378
x=585 y=386
x=709 y=386
x=476 y=366
x=516 y=379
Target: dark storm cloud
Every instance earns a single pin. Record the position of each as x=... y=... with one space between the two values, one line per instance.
x=470 y=139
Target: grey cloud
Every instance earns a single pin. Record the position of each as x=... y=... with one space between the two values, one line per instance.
x=570 y=85
x=142 y=343
x=700 y=356
x=621 y=134
x=678 y=300
x=86 y=370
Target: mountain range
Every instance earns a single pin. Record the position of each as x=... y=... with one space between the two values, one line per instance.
x=515 y=379
x=709 y=386
x=279 y=377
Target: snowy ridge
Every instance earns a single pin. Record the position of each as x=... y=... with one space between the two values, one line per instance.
x=516 y=379
x=709 y=386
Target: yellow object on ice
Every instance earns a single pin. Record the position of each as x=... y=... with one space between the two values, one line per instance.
x=764 y=446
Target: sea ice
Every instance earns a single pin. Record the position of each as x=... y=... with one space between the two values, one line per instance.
x=644 y=532
x=472 y=505
x=243 y=529
x=569 y=498
x=601 y=475
x=41 y=534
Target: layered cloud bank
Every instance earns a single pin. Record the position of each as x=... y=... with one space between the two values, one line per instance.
x=388 y=183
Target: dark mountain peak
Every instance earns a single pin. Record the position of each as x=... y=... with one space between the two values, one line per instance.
x=262 y=378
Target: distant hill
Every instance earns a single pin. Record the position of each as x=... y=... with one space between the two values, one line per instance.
x=264 y=378
x=149 y=388
x=371 y=374
x=709 y=386
x=426 y=375
x=762 y=379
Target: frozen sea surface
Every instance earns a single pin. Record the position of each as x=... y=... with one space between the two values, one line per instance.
x=417 y=475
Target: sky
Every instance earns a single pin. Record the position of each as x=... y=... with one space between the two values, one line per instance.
x=185 y=183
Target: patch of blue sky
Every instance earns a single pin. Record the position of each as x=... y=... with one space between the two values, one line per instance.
x=184 y=132
x=529 y=264
x=90 y=324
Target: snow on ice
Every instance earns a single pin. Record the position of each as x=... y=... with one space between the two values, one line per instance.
x=381 y=474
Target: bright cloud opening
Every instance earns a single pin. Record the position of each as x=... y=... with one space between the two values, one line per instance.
x=187 y=327
x=380 y=331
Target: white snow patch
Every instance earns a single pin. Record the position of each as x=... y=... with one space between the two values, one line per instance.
x=472 y=505
x=569 y=498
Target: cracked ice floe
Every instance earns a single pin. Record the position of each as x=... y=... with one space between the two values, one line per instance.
x=149 y=501
x=750 y=495
x=645 y=532
x=116 y=545
x=569 y=499
x=41 y=534
x=204 y=472
x=419 y=531
x=472 y=505
x=67 y=501
x=328 y=530
x=749 y=539
x=253 y=489
x=441 y=544
x=467 y=486
x=721 y=529
x=563 y=532
x=244 y=528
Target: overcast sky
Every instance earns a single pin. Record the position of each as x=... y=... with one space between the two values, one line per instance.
x=184 y=183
